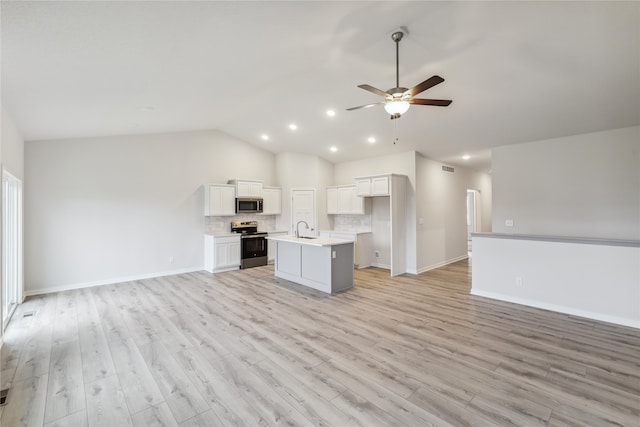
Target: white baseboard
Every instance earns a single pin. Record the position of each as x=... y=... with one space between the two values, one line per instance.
x=559 y=309
x=378 y=265
x=110 y=281
x=442 y=264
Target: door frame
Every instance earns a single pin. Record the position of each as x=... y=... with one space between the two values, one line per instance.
x=19 y=266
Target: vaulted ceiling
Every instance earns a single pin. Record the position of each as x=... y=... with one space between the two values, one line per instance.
x=516 y=72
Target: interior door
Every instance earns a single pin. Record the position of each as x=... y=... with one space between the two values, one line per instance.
x=303 y=208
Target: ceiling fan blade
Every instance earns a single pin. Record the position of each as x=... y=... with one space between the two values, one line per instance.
x=374 y=90
x=365 y=106
x=436 y=102
x=427 y=84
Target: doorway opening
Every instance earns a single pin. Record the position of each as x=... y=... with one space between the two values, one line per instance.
x=11 y=245
x=473 y=216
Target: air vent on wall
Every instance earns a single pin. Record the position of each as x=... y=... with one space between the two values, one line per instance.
x=4 y=394
x=448 y=169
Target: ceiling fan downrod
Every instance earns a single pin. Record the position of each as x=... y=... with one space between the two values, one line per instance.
x=396 y=37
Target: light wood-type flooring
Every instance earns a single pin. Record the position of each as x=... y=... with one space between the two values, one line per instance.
x=242 y=348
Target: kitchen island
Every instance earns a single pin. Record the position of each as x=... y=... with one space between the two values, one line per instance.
x=321 y=263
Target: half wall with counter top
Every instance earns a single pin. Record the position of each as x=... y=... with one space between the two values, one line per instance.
x=588 y=277
x=321 y=263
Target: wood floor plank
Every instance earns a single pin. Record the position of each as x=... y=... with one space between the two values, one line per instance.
x=178 y=391
x=159 y=415
x=26 y=403
x=357 y=381
x=274 y=409
x=260 y=351
x=77 y=419
x=65 y=392
x=206 y=419
x=106 y=404
x=138 y=385
x=225 y=397
x=94 y=348
x=300 y=396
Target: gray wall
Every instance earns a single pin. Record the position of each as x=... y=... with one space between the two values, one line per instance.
x=582 y=186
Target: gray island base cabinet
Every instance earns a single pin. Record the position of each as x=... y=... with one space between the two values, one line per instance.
x=324 y=264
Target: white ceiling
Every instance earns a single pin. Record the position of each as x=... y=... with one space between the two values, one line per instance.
x=516 y=72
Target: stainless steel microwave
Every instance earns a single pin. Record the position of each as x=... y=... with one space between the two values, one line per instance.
x=247 y=205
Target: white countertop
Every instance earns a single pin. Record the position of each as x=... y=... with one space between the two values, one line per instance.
x=344 y=232
x=230 y=234
x=222 y=234
x=563 y=239
x=316 y=241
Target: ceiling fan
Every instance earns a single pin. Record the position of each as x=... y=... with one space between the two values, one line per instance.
x=398 y=99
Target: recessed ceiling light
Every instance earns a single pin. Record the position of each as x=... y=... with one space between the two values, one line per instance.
x=293 y=126
x=264 y=136
x=333 y=149
x=331 y=113
x=466 y=157
x=371 y=140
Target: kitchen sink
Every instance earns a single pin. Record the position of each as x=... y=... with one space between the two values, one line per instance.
x=307 y=237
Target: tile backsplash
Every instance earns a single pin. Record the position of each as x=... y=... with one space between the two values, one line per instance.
x=222 y=224
x=351 y=222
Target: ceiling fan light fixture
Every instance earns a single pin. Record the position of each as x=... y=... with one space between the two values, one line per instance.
x=396 y=107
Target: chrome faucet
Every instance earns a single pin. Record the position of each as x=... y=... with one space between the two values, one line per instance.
x=298 y=228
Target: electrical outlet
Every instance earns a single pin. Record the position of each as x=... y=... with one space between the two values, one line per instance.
x=377 y=254
x=519 y=282
x=508 y=223
x=171 y=259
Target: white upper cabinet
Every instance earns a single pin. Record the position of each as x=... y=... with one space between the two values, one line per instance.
x=363 y=186
x=219 y=200
x=272 y=198
x=373 y=186
x=344 y=200
x=248 y=188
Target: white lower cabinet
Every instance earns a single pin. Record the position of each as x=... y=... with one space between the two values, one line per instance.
x=221 y=253
x=272 y=247
x=362 y=245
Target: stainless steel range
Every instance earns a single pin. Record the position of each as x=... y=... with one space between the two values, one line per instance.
x=253 y=243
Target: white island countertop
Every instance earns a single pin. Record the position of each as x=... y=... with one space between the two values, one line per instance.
x=313 y=241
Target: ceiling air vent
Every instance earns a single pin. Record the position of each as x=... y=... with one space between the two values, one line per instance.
x=448 y=169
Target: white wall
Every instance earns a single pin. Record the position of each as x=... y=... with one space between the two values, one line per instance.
x=381 y=231
x=296 y=170
x=12 y=146
x=104 y=209
x=583 y=186
x=442 y=206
